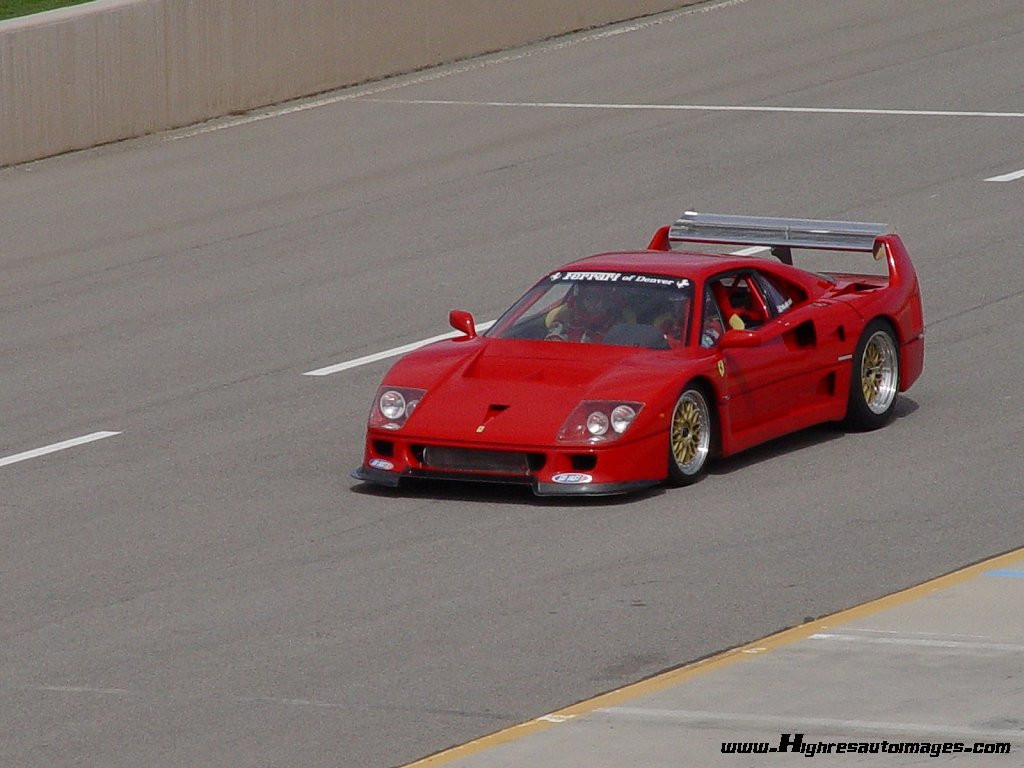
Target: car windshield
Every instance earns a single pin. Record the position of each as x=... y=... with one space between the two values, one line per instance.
x=618 y=308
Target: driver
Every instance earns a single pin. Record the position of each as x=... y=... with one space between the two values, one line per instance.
x=588 y=312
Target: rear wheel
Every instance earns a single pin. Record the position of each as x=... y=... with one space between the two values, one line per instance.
x=689 y=437
x=874 y=379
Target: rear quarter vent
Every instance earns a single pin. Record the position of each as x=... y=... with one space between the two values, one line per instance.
x=858 y=288
x=801 y=337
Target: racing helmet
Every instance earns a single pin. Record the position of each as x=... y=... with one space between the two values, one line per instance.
x=592 y=304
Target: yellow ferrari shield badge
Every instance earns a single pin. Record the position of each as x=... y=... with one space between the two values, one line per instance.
x=721 y=368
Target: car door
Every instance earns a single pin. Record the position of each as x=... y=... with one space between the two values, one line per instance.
x=812 y=335
x=764 y=382
x=746 y=373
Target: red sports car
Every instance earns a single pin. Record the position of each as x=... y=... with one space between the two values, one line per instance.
x=624 y=370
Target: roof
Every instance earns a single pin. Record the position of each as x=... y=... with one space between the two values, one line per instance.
x=670 y=263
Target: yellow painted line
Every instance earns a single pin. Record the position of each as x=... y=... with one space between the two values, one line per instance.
x=682 y=674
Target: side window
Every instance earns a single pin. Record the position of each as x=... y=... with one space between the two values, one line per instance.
x=711 y=328
x=779 y=295
x=739 y=301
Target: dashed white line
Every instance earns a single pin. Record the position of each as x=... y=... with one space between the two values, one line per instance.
x=1008 y=176
x=76 y=689
x=56 y=447
x=390 y=352
x=290 y=702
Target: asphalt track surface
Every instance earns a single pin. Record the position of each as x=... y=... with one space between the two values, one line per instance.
x=209 y=587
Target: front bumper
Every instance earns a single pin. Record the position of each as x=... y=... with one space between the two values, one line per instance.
x=565 y=470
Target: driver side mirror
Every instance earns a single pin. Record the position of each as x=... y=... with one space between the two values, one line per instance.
x=740 y=340
x=461 y=320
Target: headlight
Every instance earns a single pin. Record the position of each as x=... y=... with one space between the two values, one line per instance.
x=622 y=417
x=598 y=421
x=393 y=406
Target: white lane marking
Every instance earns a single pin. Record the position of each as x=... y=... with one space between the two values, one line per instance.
x=390 y=352
x=556 y=718
x=732 y=720
x=921 y=642
x=864 y=631
x=56 y=447
x=702 y=108
x=290 y=702
x=751 y=251
x=1008 y=176
x=75 y=689
x=85 y=689
x=448 y=71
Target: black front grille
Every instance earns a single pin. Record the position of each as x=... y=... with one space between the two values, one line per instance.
x=474 y=460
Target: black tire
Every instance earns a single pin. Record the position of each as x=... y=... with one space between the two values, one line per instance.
x=690 y=436
x=874 y=378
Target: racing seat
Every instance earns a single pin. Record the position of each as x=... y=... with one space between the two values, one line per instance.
x=732 y=314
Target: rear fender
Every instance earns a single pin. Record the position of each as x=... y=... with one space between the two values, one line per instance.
x=902 y=305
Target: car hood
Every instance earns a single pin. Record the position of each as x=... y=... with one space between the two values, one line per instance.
x=516 y=392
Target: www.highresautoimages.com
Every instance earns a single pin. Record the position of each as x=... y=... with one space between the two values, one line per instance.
x=795 y=743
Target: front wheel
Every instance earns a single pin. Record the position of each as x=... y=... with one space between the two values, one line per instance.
x=689 y=437
x=874 y=379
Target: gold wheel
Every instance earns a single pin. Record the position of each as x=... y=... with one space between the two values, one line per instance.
x=879 y=372
x=874 y=378
x=689 y=436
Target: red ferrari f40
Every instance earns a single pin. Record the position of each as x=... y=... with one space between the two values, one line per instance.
x=624 y=370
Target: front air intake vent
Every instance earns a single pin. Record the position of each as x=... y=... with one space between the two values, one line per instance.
x=473 y=460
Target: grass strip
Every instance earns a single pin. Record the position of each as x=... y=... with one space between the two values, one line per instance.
x=11 y=8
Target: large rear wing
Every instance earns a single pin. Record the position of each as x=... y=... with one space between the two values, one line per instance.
x=778 y=234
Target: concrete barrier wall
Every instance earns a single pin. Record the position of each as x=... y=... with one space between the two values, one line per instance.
x=114 y=69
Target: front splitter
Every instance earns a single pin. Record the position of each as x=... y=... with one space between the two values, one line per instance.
x=393 y=480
